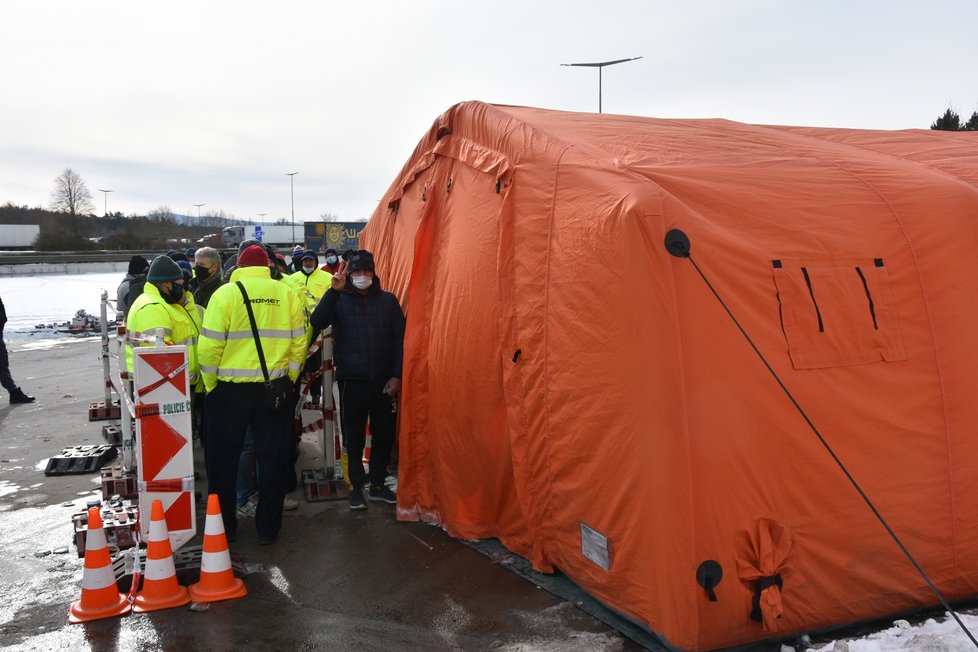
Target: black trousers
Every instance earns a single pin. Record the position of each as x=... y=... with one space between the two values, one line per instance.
x=358 y=400
x=229 y=410
x=6 y=381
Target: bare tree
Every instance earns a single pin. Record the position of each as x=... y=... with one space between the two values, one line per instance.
x=329 y=217
x=70 y=194
x=161 y=214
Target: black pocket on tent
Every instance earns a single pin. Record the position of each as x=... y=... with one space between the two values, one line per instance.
x=837 y=316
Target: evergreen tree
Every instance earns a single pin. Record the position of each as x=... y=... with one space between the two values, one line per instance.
x=972 y=123
x=950 y=121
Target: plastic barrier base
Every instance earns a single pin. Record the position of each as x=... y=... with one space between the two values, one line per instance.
x=116 y=481
x=99 y=412
x=80 y=459
x=118 y=520
x=319 y=486
x=112 y=435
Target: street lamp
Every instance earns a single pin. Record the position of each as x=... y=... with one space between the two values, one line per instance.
x=105 y=204
x=262 y=216
x=198 y=210
x=599 y=65
x=291 y=176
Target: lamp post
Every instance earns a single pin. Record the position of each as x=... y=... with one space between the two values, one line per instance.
x=599 y=65
x=198 y=210
x=105 y=204
x=262 y=216
x=291 y=176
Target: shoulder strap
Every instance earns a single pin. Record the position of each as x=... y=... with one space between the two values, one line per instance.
x=254 y=331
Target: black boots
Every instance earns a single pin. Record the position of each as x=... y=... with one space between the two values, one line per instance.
x=18 y=396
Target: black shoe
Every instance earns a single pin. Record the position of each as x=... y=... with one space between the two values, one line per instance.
x=18 y=396
x=356 y=500
x=382 y=494
x=266 y=541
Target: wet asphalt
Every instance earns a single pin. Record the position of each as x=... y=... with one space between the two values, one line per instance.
x=334 y=579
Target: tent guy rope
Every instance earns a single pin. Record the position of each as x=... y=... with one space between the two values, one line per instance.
x=677 y=244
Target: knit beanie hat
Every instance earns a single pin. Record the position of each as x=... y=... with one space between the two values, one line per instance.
x=253 y=256
x=137 y=265
x=163 y=269
x=188 y=271
x=361 y=260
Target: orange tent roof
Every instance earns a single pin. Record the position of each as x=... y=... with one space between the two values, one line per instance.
x=575 y=391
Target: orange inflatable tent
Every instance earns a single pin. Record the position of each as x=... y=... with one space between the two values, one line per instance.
x=576 y=391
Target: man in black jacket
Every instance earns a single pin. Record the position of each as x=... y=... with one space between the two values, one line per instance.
x=368 y=349
x=17 y=395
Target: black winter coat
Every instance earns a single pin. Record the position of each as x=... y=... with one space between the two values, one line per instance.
x=368 y=332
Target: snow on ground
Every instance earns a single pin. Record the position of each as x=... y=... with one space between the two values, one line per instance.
x=932 y=635
x=51 y=298
x=44 y=299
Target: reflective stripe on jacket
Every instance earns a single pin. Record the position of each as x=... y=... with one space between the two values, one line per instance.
x=227 y=347
x=151 y=311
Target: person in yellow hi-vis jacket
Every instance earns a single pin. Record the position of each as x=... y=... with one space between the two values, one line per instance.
x=312 y=283
x=236 y=386
x=165 y=304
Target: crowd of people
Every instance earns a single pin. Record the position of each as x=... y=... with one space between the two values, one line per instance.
x=249 y=323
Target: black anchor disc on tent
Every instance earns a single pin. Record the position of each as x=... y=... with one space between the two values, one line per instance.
x=677 y=243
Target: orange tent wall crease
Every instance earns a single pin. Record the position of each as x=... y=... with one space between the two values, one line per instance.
x=577 y=392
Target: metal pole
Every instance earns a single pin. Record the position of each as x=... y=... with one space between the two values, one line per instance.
x=291 y=176
x=105 y=203
x=600 y=65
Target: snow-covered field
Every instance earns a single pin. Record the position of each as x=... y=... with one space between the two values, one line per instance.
x=52 y=298
x=44 y=299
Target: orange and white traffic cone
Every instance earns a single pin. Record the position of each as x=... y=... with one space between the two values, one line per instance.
x=100 y=597
x=160 y=589
x=217 y=580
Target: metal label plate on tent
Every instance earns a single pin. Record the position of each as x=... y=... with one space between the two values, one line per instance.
x=164 y=451
x=595 y=546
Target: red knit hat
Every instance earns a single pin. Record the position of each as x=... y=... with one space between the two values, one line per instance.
x=253 y=256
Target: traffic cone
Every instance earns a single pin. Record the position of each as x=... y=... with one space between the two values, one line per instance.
x=100 y=597
x=217 y=580
x=160 y=589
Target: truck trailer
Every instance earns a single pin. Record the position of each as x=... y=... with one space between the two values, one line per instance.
x=18 y=236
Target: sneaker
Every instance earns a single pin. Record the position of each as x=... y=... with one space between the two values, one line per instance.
x=382 y=494
x=290 y=504
x=356 y=500
x=247 y=510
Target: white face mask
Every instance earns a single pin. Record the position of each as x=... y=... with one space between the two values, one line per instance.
x=308 y=270
x=362 y=282
x=331 y=260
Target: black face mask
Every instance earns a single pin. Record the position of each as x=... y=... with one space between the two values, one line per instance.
x=273 y=270
x=175 y=294
x=201 y=272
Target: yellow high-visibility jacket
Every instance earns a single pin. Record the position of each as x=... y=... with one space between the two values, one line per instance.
x=312 y=287
x=227 y=348
x=180 y=323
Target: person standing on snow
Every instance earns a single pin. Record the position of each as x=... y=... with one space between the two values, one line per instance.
x=17 y=395
x=368 y=348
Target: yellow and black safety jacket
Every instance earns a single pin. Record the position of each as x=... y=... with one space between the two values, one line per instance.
x=180 y=323
x=312 y=287
x=227 y=347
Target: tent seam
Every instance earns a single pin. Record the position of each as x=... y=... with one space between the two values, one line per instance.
x=546 y=341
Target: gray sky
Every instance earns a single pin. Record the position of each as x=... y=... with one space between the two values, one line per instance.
x=178 y=103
